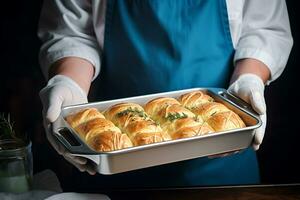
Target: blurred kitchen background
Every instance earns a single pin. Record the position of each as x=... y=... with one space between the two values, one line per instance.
x=21 y=80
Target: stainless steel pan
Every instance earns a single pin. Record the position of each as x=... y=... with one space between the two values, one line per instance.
x=164 y=152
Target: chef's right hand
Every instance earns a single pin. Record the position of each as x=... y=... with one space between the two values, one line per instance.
x=62 y=91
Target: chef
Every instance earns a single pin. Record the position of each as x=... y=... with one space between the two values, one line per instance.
x=138 y=47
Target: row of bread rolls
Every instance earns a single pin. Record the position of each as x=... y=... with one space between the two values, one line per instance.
x=217 y=115
x=161 y=119
x=176 y=120
x=132 y=119
x=99 y=133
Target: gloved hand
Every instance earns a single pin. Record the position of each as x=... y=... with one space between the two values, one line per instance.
x=250 y=88
x=62 y=91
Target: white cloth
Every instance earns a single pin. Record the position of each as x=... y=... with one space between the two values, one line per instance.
x=260 y=29
x=46 y=186
x=50 y=195
x=77 y=196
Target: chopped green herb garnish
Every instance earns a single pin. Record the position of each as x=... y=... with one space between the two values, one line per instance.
x=131 y=111
x=172 y=117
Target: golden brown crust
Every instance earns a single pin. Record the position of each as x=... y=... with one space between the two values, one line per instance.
x=134 y=121
x=173 y=126
x=98 y=132
x=187 y=127
x=156 y=105
x=192 y=131
x=194 y=99
x=173 y=117
x=94 y=127
x=217 y=115
x=206 y=110
x=142 y=131
x=118 y=112
x=163 y=109
x=225 y=121
x=177 y=109
x=198 y=115
x=83 y=116
x=147 y=138
x=109 y=140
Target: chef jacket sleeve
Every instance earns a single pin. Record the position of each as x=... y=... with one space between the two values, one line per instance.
x=66 y=29
x=265 y=34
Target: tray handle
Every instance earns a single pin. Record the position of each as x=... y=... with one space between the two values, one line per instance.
x=240 y=103
x=71 y=141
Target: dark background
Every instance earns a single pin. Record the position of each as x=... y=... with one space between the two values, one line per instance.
x=21 y=80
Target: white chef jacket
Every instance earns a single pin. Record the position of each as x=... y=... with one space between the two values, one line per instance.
x=259 y=29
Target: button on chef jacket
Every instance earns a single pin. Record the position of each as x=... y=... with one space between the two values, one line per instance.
x=143 y=47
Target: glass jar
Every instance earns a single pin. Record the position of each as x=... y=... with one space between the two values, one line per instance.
x=15 y=167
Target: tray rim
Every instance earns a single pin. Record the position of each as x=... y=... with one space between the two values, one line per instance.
x=215 y=91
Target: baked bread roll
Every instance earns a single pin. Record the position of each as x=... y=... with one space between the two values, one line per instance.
x=110 y=141
x=217 y=115
x=189 y=127
x=132 y=120
x=93 y=127
x=99 y=133
x=174 y=119
x=194 y=99
x=206 y=110
x=165 y=109
x=224 y=121
x=83 y=116
x=156 y=106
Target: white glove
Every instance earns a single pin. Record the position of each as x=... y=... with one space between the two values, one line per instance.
x=62 y=91
x=250 y=88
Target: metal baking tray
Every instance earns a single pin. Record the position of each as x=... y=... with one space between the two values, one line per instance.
x=164 y=152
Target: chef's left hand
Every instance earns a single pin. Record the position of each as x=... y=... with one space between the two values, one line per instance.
x=250 y=88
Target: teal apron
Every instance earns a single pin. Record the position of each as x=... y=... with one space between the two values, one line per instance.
x=153 y=46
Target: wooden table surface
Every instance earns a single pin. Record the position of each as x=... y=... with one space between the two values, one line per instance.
x=266 y=192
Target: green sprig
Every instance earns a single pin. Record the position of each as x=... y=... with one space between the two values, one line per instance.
x=173 y=116
x=132 y=111
x=7 y=131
